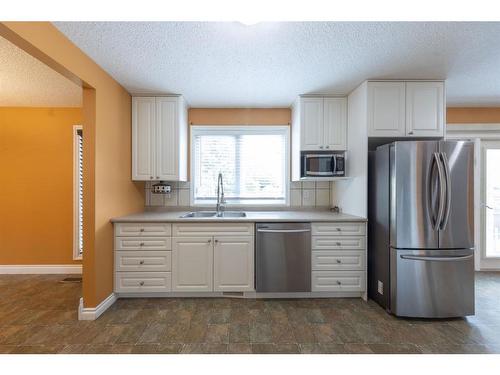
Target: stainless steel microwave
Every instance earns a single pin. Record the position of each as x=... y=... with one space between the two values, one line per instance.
x=322 y=164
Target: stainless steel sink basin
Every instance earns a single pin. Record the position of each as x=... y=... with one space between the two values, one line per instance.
x=233 y=214
x=199 y=214
x=195 y=214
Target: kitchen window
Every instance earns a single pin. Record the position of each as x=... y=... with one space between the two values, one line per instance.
x=253 y=160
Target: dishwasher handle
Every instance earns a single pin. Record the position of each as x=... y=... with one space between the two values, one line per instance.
x=283 y=230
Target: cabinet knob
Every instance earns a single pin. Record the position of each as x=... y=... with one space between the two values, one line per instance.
x=339 y=261
x=141 y=283
x=150 y=177
x=141 y=230
x=410 y=132
x=321 y=147
x=157 y=177
x=338 y=243
x=339 y=229
x=327 y=146
x=141 y=244
x=339 y=283
x=141 y=262
x=216 y=241
x=209 y=241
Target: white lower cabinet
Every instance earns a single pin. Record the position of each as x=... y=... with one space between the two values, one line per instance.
x=143 y=261
x=338 y=257
x=233 y=264
x=192 y=264
x=142 y=282
x=338 y=281
x=338 y=260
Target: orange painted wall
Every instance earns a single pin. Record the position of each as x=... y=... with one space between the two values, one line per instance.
x=106 y=112
x=240 y=116
x=36 y=189
x=473 y=115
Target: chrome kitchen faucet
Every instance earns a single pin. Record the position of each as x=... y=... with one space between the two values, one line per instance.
x=221 y=202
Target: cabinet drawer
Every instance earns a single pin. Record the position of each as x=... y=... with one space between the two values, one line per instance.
x=338 y=229
x=143 y=261
x=143 y=282
x=338 y=243
x=212 y=229
x=143 y=229
x=338 y=281
x=143 y=243
x=326 y=260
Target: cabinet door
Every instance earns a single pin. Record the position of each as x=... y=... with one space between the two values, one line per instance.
x=192 y=264
x=311 y=119
x=425 y=109
x=386 y=109
x=335 y=123
x=143 y=136
x=166 y=138
x=234 y=264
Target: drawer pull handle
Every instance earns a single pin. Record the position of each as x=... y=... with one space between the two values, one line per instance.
x=141 y=262
x=141 y=283
x=338 y=243
x=339 y=283
x=339 y=261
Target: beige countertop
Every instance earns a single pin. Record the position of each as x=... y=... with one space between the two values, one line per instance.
x=252 y=217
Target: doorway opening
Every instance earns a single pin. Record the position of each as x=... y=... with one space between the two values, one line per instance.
x=490 y=205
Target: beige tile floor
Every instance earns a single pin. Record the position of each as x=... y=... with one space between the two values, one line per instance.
x=38 y=315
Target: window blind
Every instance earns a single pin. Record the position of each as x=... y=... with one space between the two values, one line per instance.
x=253 y=162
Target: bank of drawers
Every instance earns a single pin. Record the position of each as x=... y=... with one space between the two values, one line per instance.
x=143 y=257
x=338 y=257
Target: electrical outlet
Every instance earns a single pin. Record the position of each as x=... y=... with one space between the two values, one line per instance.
x=380 y=287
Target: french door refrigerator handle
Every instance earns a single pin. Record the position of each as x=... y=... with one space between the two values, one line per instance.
x=442 y=193
x=437 y=258
x=446 y=215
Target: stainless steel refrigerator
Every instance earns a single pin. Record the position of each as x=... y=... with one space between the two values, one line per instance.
x=421 y=228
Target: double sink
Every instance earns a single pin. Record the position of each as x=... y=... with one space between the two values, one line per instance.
x=214 y=214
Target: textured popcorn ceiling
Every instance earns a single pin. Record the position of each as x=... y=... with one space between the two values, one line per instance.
x=268 y=64
x=27 y=82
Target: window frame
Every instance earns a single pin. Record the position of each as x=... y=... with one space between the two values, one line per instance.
x=244 y=129
x=77 y=255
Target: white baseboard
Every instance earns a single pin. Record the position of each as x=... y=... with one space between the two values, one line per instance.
x=92 y=313
x=41 y=269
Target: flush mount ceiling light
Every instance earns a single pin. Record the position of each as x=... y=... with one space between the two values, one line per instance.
x=249 y=21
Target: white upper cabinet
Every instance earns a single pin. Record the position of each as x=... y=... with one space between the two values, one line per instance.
x=335 y=123
x=320 y=123
x=159 y=138
x=143 y=138
x=386 y=109
x=405 y=109
x=425 y=109
x=312 y=123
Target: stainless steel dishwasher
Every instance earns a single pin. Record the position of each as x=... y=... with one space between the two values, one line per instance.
x=283 y=257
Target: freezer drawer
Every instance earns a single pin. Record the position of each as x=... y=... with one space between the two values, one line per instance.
x=432 y=283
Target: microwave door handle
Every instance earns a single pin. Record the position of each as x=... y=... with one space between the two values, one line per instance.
x=334 y=167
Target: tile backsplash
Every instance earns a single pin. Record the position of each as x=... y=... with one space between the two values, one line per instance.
x=302 y=194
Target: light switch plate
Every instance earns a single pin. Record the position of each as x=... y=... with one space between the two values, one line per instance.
x=380 y=287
